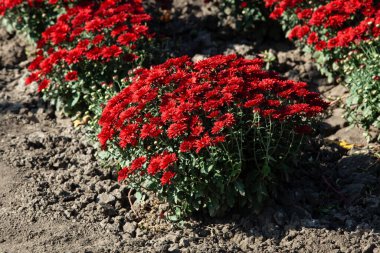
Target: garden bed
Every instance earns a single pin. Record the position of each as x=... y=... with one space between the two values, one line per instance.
x=56 y=197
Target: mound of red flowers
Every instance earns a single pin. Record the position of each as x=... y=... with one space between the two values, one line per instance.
x=183 y=107
x=330 y=24
x=89 y=32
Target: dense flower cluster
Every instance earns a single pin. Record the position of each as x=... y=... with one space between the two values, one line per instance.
x=330 y=24
x=182 y=109
x=88 y=45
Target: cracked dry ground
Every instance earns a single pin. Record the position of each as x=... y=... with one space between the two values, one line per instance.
x=55 y=197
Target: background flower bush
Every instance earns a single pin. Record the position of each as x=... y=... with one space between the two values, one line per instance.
x=81 y=55
x=32 y=17
x=328 y=29
x=209 y=135
x=362 y=74
x=332 y=30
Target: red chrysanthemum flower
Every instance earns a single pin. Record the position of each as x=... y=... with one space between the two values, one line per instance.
x=167 y=177
x=71 y=76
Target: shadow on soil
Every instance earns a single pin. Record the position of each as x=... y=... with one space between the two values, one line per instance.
x=332 y=191
x=194 y=30
x=23 y=107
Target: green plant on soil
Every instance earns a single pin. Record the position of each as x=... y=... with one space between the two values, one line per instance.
x=87 y=49
x=362 y=77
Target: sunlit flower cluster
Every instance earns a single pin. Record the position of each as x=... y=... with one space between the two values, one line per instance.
x=186 y=107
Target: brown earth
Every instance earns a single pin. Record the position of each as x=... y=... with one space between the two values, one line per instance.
x=55 y=196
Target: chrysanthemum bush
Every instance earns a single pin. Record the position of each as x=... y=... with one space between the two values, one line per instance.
x=81 y=55
x=328 y=29
x=338 y=34
x=32 y=16
x=362 y=74
x=207 y=136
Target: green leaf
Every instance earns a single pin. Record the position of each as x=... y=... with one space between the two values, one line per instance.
x=266 y=169
x=178 y=212
x=75 y=99
x=239 y=186
x=173 y=217
x=139 y=196
x=196 y=205
x=206 y=170
x=230 y=199
x=270 y=158
x=104 y=154
x=210 y=168
x=212 y=206
x=261 y=192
